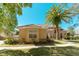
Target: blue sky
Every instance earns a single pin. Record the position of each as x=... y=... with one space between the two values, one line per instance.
x=37 y=15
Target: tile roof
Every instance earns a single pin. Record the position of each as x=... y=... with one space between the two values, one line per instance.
x=45 y=26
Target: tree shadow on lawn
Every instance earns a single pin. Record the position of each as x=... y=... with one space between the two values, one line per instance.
x=43 y=51
x=32 y=52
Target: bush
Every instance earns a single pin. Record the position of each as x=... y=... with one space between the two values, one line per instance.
x=11 y=41
x=77 y=37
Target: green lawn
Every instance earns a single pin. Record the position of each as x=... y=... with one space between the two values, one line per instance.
x=43 y=51
x=15 y=45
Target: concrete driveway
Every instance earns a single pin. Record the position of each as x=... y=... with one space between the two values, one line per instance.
x=1 y=41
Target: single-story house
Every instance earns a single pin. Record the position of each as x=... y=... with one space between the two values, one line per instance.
x=38 y=33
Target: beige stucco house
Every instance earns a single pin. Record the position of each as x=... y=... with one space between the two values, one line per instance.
x=38 y=33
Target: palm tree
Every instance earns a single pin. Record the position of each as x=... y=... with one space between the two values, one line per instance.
x=8 y=18
x=59 y=13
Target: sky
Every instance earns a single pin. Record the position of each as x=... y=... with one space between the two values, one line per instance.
x=37 y=15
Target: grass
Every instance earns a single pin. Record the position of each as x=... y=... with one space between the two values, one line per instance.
x=15 y=45
x=42 y=51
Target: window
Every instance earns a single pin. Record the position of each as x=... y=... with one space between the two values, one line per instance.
x=32 y=35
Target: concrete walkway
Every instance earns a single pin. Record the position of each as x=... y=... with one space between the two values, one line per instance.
x=65 y=44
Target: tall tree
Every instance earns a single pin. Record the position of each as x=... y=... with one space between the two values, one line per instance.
x=59 y=13
x=8 y=12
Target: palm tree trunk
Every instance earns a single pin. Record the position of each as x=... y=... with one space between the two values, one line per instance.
x=57 y=33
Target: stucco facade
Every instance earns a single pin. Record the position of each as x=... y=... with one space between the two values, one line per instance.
x=32 y=33
x=35 y=33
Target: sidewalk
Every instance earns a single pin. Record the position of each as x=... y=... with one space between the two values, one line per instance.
x=65 y=44
x=30 y=47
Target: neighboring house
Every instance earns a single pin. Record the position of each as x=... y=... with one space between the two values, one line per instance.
x=51 y=32
x=38 y=33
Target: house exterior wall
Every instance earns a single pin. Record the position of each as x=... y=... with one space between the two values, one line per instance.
x=24 y=35
x=32 y=39
x=41 y=34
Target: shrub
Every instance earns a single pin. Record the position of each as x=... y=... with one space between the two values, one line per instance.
x=11 y=41
x=77 y=37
